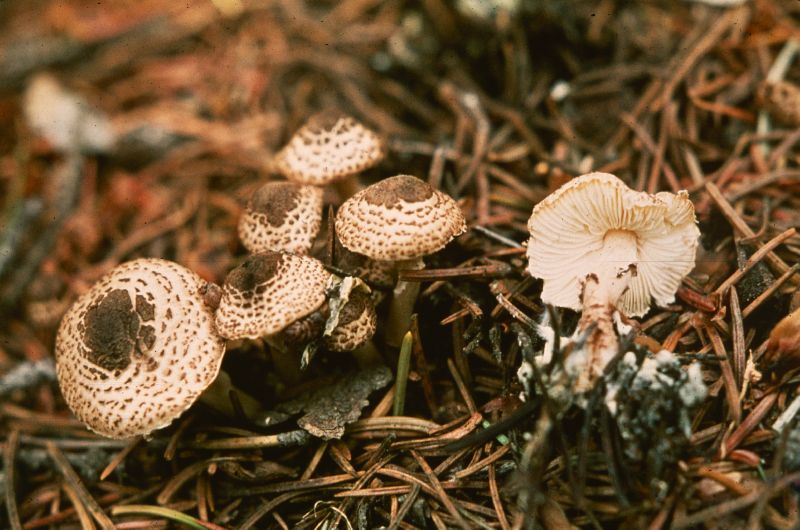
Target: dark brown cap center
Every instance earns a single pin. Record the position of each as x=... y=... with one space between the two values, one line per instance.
x=256 y=270
x=389 y=192
x=113 y=330
x=354 y=308
x=324 y=121
x=275 y=201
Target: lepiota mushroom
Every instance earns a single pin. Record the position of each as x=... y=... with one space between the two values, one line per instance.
x=330 y=147
x=345 y=323
x=598 y=245
x=399 y=219
x=356 y=325
x=281 y=216
x=268 y=292
x=138 y=348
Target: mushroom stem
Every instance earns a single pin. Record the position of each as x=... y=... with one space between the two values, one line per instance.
x=401 y=306
x=596 y=326
x=368 y=355
x=285 y=359
x=218 y=396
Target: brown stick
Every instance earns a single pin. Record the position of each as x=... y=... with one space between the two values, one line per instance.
x=9 y=455
x=77 y=486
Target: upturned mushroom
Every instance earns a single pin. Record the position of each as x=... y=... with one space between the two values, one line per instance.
x=399 y=219
x=331 y=147
x=137 y=349
x=281 y=216
x=600 y=246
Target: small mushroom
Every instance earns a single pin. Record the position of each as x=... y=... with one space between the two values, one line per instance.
x=356 y=325
x=399 y=219
x=137 y=349
x=268 y=292
x=600 y=246
x=330 y=147
x=282 y=216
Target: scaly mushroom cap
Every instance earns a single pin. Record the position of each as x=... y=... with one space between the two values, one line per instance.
x=282 y=216
x=575 y=230
x=398 y=218
x=357 y=323
x=138 y=348
x=268 y=292
x=329 y=147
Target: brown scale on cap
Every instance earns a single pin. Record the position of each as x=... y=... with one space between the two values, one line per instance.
x=269 y=291
x=395 y=191
x=282 y=216
x=138 y=348
x=398 y=218
x=329 y=147
x=357 y=323
x=782 y=100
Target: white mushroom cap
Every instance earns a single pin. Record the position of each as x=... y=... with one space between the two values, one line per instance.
x=329 y=147
x=357 y=323
x=282 y=216
x=595 y=221
x=269 y=291
x=65 y=119
x=138 y=348
x=398 y=218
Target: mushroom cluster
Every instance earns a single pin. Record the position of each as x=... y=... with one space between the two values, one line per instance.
x=330 y=148
x=147 y=340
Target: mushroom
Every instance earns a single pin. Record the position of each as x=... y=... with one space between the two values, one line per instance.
x=346 y=322
x=282 y=216
x=268 y=292
x=600 y=246
x=781 y=99
x=137 y=349
x=330 y=147
x=356 y=325
x=399 y=219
